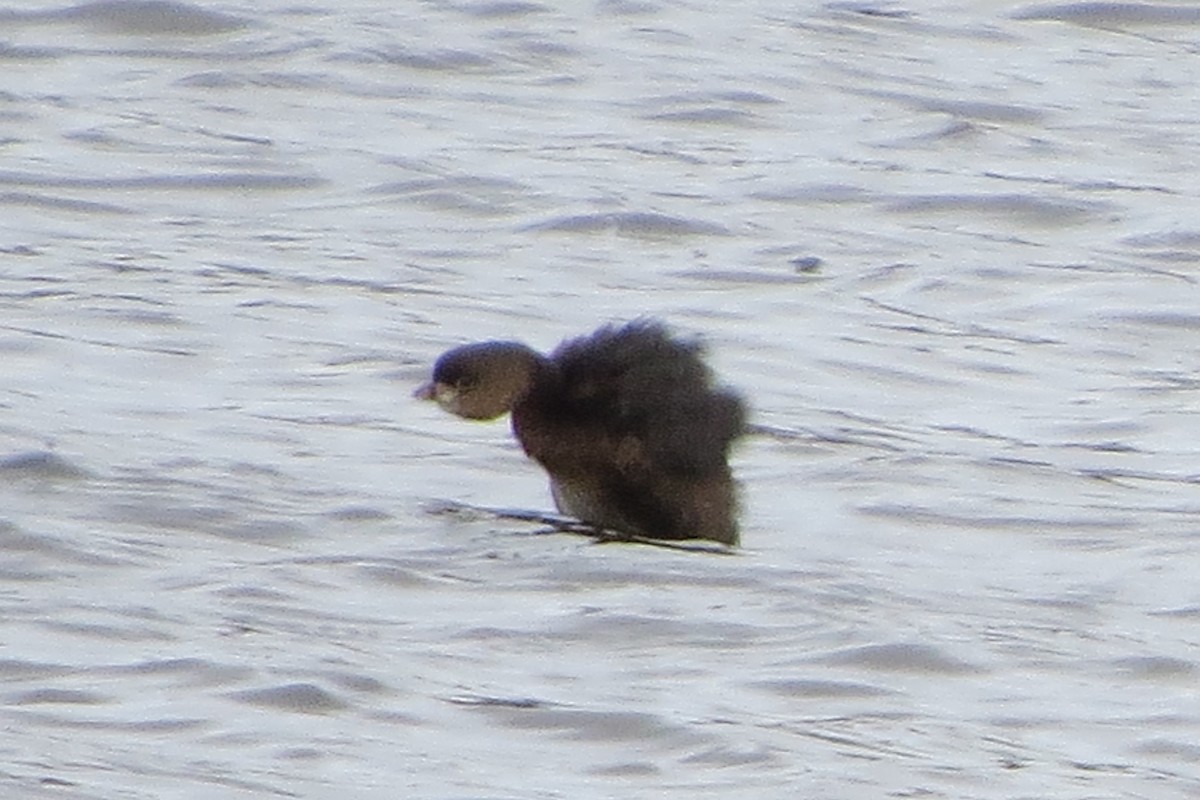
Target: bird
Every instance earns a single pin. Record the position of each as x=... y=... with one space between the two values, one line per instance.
x=628 y=422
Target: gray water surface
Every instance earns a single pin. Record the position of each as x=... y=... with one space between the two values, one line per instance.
x=949 y=252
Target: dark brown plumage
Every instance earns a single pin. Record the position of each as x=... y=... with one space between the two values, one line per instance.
x=627 y=422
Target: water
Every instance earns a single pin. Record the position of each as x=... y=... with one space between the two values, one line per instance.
x=949 y=252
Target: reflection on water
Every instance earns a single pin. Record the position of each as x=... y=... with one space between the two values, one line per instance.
x=950 y=258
